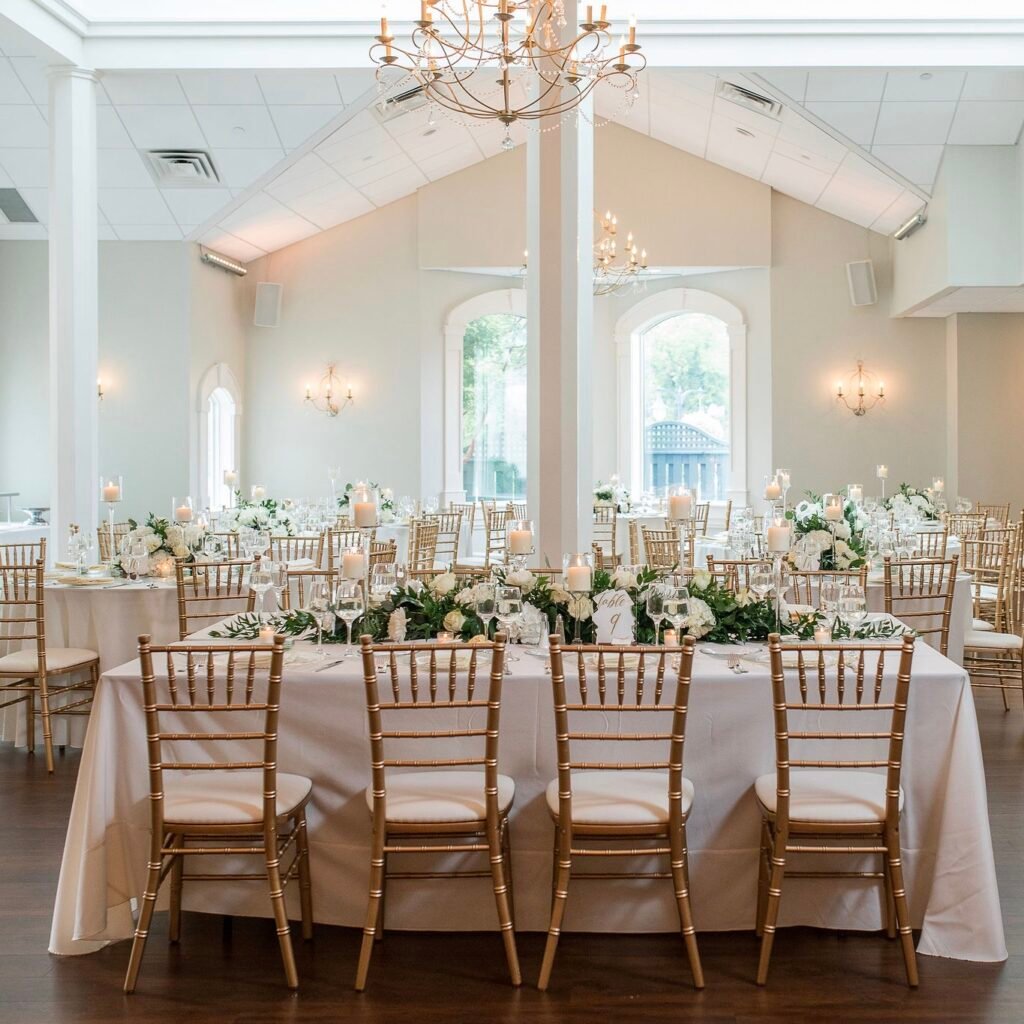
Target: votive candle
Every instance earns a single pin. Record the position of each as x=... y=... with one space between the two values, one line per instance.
x=111 y=492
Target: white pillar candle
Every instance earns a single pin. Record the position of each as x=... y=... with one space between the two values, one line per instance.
x=856 y=493
x=882 y=472
x=680 y=506
x=783 y=479
x=111 y=492
x=353 y=566
x=183 y=514
x=938 y=485
x=230 y=477
x=821 y=635
x=259 y=492
x=364 y=514
x=520 y=542
x=773 y=491
x=834 y=511
x=778 y=539
x=671 y=638
x=578 y=579
x=266 y=634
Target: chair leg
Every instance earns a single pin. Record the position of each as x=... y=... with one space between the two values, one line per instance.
x=496 y=855
x=284 y=931
x=305 y=879
x=890 y=906
x=30 y=721
x=899 y=895
x=762 y=881
x=372 y=909
x=44 y=708
x=379 y=935
x=561 y=896
x=177 y=869
x=142 y=928
x=681 y=883
x=771 y=913
x=506 y=847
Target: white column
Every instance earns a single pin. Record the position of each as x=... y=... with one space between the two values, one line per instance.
x=560 y=188
x=73 y=251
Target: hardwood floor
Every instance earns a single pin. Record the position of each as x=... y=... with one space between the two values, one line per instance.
x=236 y=978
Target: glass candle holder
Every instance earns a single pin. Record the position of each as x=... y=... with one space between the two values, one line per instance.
x=111 y=494
x=364 y=503
x=181 y=510
x=519 y=541
x=258 y=492
x=680 y=504
x=578 y=572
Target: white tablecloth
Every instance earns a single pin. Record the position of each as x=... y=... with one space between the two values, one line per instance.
x=323 y=734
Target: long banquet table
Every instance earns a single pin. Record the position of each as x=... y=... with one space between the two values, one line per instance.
x=323 y=734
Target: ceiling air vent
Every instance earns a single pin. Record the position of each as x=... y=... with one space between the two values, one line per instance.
x=749 y=99
x=14 y=208
x=401 y=103
x=182 y=168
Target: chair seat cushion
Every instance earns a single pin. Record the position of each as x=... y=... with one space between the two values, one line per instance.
x=991 y=640
x=982 y=625
x=829 y=795
x=227 y=797
x=435 y=797
x=620 y=797
x=58 y=659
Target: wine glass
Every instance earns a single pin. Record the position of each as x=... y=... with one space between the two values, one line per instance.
x=213 y=548
x=677 y=607
x=508 y=603
x=279 y=580
x=656 y=607
x=260 y=581
x=348 y=606
x=828 y=603
x=383 y=579
x=853 y=606
x=320 y=609
x=761 y=583
x=486 y=605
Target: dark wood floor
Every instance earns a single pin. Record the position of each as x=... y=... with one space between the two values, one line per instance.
x=429 y=978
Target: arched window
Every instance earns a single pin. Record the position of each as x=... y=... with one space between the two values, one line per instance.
x=485 y=404
x=682 y=394
x=220 y=445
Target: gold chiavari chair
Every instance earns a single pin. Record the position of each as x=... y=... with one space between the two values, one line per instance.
x=383 y=552
x=121 y=530
x=830 y=802
x=635 y=550
x=988 y=560
x=462 y=573
x=299 y=586
x=209 y=591
x=739 y=568
x=931 y=543
x=232 y=547
x=215 y=805
x=422 y=544
x=806 y=583
x=297 y=549
x=637 y=797
x=728 y=515
x=27 y=553
x=449 y=533
x=516 y=510
x=494 y=537
x=662 y=547
x=965 y=525
x=604 y=536
x=919 y=592
x=701 y=515
x=461 y=804
x=27 y=663
x=468 y=510
x=1000 y=513
x=338 y=539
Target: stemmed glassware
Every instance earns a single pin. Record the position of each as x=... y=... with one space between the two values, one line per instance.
x=349 y=605
x=320 y=609
x=853 y=606
x=656 y=607
x=761 y=582
x=213 y=548
x=383 y=579
x=509 y=611
x=677 y=607
x=279 y=580
x=828 y=603
x=486 y=605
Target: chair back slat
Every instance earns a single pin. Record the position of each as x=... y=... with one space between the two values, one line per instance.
x=806 y=583
x=344 y=535
x=931 y=543
x=1000 y=513
x=26 y=553
x=106 y=550
x=209 y=591
x=284 y=548
x=423 y=534
x=740 y=569
x=449 y=533
x=22 y=610
x=919 y=592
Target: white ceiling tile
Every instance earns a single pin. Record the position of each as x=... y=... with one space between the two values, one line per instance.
x=106 y=233
x=845 y=85
x=806 y=156
x=763 y=127
x=915 y=163
x=27 y=168
x=122 y=168
x=839 y=201
x=795 y=178
x=296 y=124
x=736 y=151
x=267 y=224
x=791 y=83
x=11 y=89
x=435 y=140
x=935 y=85
x=235 y=88
x=300 y=87
x=237 y=127
x=22 y=232
x=148 y=232
x=302 y=177
x=143 y=88
x=378 y=171
x=230 y=245
x=855 y=120
x=195 y=205
x=635 y=115
x=696 y=87
x=32 y=73
x=134 y=206
x=358 y=151
x=332 y=204
x=110 y=132
x=908 y=124
x=450 y=161
x=353 y=82
x=900 y=211
x=38 y=200
x=682 y=124
x=987 y=124
x=394 y=186
x=241 y=167
x=993 y=85
x=23 y=127
x=162 y=127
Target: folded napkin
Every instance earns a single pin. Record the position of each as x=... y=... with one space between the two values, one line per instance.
x=301 y=563
x=74 y=565
x=86 y=581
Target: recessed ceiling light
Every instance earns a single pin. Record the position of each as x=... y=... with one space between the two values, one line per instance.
x=925 y=75
x=745 y=132
x=430 y=131
x=367 y=159
x=805 y=156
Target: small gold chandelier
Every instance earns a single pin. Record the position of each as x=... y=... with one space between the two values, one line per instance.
x=866 y=394
x=456 y=49
x=329 y=396
x=612 y=273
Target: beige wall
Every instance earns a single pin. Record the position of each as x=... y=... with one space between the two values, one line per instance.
x=990 y=369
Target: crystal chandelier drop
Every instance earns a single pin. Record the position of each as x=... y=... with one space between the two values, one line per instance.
x=506 y=60
x=612 y=272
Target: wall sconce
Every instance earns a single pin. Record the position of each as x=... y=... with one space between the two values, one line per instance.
x=326 y=396
x=99 y=388
x=864 y=393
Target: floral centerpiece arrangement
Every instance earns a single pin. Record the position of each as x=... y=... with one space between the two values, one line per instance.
x=612 y=493
x=268 y=514
x=922 y=501
x=814 y=545
x=387 y=500
x=163 y=540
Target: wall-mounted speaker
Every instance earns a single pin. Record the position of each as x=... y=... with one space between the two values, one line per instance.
x=860 y=276
x=268 y=304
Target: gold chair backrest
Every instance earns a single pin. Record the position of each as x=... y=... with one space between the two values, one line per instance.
x=988 y=561
x=701 y=516
x=728 y=514
x=919 y=592
x=831 y=698
x=604 y=531
x=449 y=532
x=468 y=510
x=346 y=536
x=121 y=530
x=931 y=543
x=602 y=693
x=27 y=553
x=662 y=547
x=494 y=536
x=22 y=611
x=635 y=551
x=516 y=510
x=965 y=525
x=806 y=583
x=1000 y=513
x=740 y=568
x=232 y=546
x=200 y=687
x=291 y=549
x=423 y=535
x=209 y=591
x=297 y=591
x=383 y=552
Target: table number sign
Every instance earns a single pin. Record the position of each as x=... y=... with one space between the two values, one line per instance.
x=613 y=617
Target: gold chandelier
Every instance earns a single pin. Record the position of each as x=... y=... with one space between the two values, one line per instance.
x=612 y=273
x=458 y=46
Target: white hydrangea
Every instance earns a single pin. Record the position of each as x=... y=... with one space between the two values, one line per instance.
x=581 y=607
x=521 y=578
x=560 y=595
x=701 y=619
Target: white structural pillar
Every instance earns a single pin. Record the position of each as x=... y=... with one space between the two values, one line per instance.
x=560 y=310
x=74 y=286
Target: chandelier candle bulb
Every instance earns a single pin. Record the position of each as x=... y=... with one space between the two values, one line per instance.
x=632 y=30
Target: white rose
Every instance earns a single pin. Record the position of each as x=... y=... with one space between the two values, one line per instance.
x=153 y=542
x=521 y=578
x=843 y=530
x=175 y=536
x=581 y=607
x=559 y=595
x=701 y=580
x=443 y=584
x=454 y=621
x=623 y=579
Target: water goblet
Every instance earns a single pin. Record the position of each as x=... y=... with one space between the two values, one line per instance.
x=349 y=605
x=279 y=580
x=853 y=606
x=486 y=605
x=508 y=603
x=828 y=603
x=677 y=607
x=656 y=607
x=260 y=581
x=320 y=609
